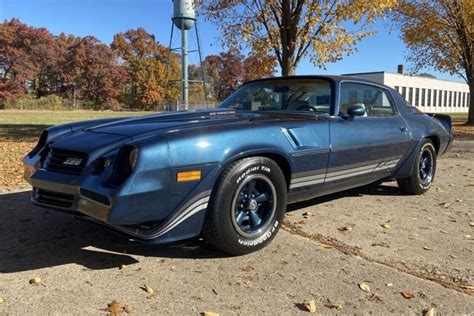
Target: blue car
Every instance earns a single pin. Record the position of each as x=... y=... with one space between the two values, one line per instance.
x=227 y=174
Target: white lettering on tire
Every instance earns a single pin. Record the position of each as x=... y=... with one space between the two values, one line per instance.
x=261 y=239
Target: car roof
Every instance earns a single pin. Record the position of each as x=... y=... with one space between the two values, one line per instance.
x=325 y=77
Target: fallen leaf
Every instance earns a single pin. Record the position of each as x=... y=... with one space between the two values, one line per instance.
x=248 y=268
x=310 y=306
x=122 y=266
x=206 y=313
x=364 y=287
x=306 y=214
x=439 y=190
x=468 y=236
x=386 y=225
x=458 y=200
x=444 y=205
x=429 y=312
x=427 y=248
x=325 y=246
x=444 y=231
x=344 y=228
x=36 y=280
x=412 y=235
x=115 y=308
x=389 y=284
x=2 y=300
x=300 y=222
x=331 y=305
x=471 y=224
x=453 y=256
x=407 y=294
x=148 y=289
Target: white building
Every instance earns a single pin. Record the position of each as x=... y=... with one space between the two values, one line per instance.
x=427 y=94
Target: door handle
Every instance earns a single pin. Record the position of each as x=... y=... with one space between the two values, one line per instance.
x=403 y=128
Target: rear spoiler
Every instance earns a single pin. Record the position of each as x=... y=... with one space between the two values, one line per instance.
x=444 y=119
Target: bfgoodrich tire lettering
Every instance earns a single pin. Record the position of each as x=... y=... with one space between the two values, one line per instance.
x=424 y=170
x=246 y=207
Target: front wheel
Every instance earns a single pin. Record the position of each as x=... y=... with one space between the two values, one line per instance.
x=247 y=206
x=423 y=170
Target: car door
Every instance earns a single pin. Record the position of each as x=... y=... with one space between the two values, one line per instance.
x=364 y=148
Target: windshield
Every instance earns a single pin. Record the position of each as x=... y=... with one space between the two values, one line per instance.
x=302 y=95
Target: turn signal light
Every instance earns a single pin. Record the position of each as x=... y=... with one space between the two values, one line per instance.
x=192 y=175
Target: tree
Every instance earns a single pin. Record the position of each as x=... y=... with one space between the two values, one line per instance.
x=150 y=72
x=440 y=34
x=228 y=70
x=294 y=29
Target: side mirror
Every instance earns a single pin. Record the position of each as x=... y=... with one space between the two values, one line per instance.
x=356 y=110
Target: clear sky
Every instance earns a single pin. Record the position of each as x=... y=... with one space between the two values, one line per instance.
x=104 y=18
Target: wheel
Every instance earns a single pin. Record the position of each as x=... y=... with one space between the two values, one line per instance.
x=423 y=170
x=246 y=207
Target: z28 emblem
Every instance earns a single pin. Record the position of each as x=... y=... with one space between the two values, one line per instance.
x=72 y=161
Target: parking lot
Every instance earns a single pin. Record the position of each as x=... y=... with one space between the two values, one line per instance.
x=412 y=252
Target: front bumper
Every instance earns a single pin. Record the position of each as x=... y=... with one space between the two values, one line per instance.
x=144 y=215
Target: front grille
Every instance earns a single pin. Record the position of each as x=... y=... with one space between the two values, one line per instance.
x=54 y=198
x=65 y=161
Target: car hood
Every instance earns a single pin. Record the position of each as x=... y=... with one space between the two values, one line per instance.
x=158 y=123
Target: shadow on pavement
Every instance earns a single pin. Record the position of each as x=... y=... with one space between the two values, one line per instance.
x=34 y=238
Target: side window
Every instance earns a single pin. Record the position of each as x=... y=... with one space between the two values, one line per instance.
x=377 y=101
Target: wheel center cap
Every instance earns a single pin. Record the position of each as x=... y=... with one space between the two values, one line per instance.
x=252 y=204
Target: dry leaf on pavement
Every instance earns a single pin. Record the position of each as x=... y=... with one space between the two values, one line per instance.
x=36 y=280
x=427 y=248
x=444 y=205
x=310 y=306
x=115 y=308
x=206 y=313
x=331 y=305
x=453 y=256
x=407 y=294
x=364 y=287
x=248 y=268
x=2 y=300
x=151 y=292
x=386 y=225
x=344 y=228
x=429 y=312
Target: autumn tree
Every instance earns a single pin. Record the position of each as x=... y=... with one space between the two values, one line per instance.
x=440 y=34
x=150 y=66
x=294 y=29
x=230 y=69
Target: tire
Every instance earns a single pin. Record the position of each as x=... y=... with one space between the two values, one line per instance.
x=237 y=222
x=424 y=170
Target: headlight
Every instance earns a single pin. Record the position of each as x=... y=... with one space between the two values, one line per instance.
x=125 y=162
x=133 y=158
x=40 y=145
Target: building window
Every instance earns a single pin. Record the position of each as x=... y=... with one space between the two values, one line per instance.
x=459 y=99
x=445 y=98
x=429 y=98
x=417 y=96
x=423 y=92
x=454 y=99
x=450 y=104
x=397 y=88
x=404 y=92
x=463 y=99
x=410 y=96
x=435 y=97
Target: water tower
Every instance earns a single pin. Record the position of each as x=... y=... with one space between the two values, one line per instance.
x=184 y=18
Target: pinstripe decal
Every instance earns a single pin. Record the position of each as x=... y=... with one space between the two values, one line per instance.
x=347 y=173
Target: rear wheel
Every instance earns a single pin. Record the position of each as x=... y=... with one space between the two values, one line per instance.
x=423 y=170
x=246 y=207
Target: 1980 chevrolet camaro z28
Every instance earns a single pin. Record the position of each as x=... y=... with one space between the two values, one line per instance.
x=227 y=174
